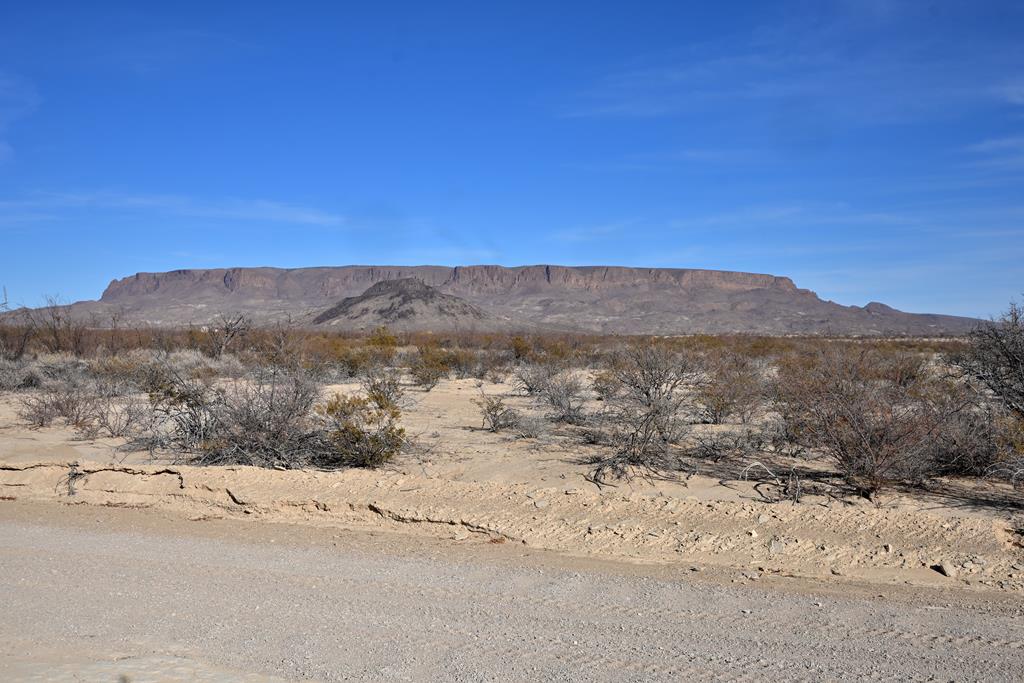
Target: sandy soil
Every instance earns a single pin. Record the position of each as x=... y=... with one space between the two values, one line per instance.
x=472 y=486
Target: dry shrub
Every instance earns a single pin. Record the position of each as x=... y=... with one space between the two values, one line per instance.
x=995 y=356
x=184 y=410
x=733 y=387
x=493 y=366
x=384 y=345
x=382 y=337
x=280 y=344
x=532 y=378
x=383 y=386
x=880 y=417
x=530 y=426
x=76 y=404
x=463 y=362
x=521 y=349
x=563 y=394
x=718 y=446
x=262 y=421
x=429 y=367
x=606 y=384
x=192 y=363
x=496 y=415
x=121 y=418
x=227 y=330
x=124 y=374
x=115 y=416
x=975 y=441
x=18 y=375
x=37 y=410
x=16 y=334
x=355 y=362
x=361 y=432
x=644 y=412
x=57 y=329
x=62 y=369
x=124 y=369
x=268 y=420
x=271 y=419
x=1009 y=461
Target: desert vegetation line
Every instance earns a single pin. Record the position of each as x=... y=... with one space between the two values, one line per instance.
x=879 y=413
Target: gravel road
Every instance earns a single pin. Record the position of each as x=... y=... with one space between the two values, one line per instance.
x=97 y=594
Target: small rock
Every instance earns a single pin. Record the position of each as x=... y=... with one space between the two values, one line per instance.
x=540 y=504
x=817 y=604
x=761 y=519
x=945 y=568
x=746 y=611
x=888 y=547
x=753 y=534
x=836 y=571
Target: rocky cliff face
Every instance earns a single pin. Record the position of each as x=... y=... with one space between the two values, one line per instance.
x=604 y=299
x=307 y=284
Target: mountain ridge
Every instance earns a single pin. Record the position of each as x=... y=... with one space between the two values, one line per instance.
x=600 y=299
x=441 y=276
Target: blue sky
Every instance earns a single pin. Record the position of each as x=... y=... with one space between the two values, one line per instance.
x=870 y=149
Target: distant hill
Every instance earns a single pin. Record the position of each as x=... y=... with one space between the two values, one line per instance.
x=603 y=299
x=406 y=303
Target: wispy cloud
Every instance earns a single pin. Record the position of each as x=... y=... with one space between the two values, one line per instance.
x=592 y=233
x=444 y=255
x=667 y=160
x=18 y=98
x=794 y=215
x=1012 y=91
x=998 y=154
x=999 y=145
x=256 y=210
x=823 y=65
x=147 y=52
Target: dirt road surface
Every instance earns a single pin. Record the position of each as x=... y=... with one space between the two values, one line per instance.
x=97 y=593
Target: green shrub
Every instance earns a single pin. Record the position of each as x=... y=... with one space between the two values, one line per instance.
x=362 y=432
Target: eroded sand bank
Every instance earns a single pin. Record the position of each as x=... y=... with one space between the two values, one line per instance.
x=474 y=486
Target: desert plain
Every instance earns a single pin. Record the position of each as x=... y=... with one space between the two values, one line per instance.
x=484 y=555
